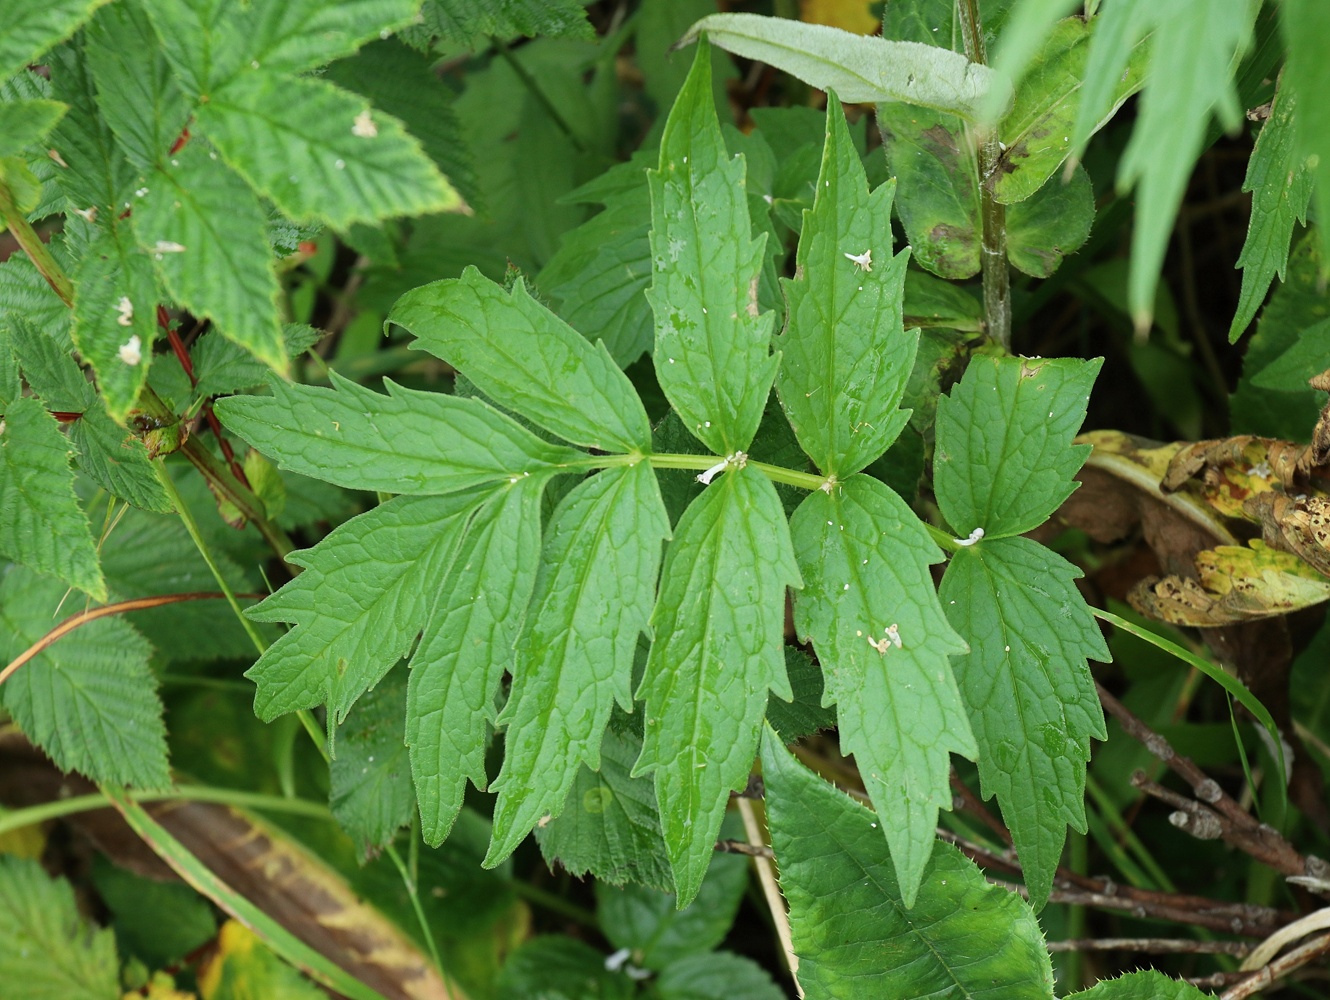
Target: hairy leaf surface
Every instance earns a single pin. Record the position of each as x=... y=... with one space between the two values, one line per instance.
x=864 y=557
x=25 y=122
x=1146 y=985
x=472 y=21
x=30 y=27
x=291 y=36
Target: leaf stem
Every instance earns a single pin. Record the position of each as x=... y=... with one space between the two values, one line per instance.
x=33 y=246
x=408 y=880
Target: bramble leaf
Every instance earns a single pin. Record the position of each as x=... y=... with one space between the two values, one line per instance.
x=291 y=36
x=1004 y=459
x=468 y=22
x=574 y=657
x=1032 y=700
x=370 y=794
x=718 y=624
x=25 y=296
x=25 y=122
x=41 y=523
x=846 y=355
x=466 y=645
x=406 y=442
x=962 y=936
x=712 y=351
x=30 y=27
x=527 y=359
x=98 y=176
x=202 y=39
x=870 y=608
x=221 y=366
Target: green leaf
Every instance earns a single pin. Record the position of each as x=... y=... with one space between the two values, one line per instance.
x=718 y=976
x=406 y=442
x=1004 y=459
x=574 y=657
x=157 y=922
x=1147 y=985
x=358 y=605
x=26 y=296
x=221 y=366
x=98 y=177
x=860 y=68
x=932 y=303
x=115 y=316
x=472 y=22
x=41 y=524
x=649 y=924
x=853 y=933
x=203 y=39
x=370 y=778
x=846 y=355
x=525 y=358
x=47 y=950
x=90 y=700
x=806 y=714
x=557 y=967
x=718 y=624
x=608 y=826
x=51 y=373
x=466 y=645
x=1052 y=223
x=23 y=123
x=1032 y=700
x=869 y=606
x=1281 y=187
x=1305 y=25
x=291 y=36
x=30 y=27
x=320 y=152
x=244 y=966
x=712 y=351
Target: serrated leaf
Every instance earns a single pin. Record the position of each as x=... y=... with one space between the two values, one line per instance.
x=25 y=122
x=1305 y=26
x=471 y=21
x=41 y=523
x=98 y=176
x=47 y=950
x=1032 y=700
x=712 y=351
x=222 y=366
x=358 y=605
x=718 y=624
x=1004 y=459
x=115 y=316
x=90 y=700
x=26 y=296
x=846 y=355
x=51 y=373
x=1146 y=985
x=806 y=714
x=406 y=442
x=864 y=557
x=574 y=657
x=207 y=235
x=30 y=27
x=855 y=937
x=861 y=69
x=464 y=649
x=370 y=790
x=525 y=358
x=1281 y=187
x=720 y=975
x=608 y=826
x=291 y=36
x=320 y=152
x=1050 y=224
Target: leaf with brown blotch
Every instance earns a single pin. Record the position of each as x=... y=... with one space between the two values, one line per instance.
x=1299 y=524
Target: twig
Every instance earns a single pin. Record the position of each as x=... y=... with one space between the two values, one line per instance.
x=745 y=848
x=1154 y=946
x=1279 y=968
x=775 y=901
x=1271 y=946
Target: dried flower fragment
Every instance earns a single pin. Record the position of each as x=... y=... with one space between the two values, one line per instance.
x=126 y=310
x=863 y=261
x=364 y=126
x=131 y=351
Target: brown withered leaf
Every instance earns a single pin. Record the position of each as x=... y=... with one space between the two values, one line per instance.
x=1300 y=525
x=1232 y=470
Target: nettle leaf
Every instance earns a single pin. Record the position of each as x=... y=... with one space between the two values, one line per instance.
x=1032 y=700
x=466 y=645
x=846 y=355
x=712 y=351
x=525 y=358
x=291 y=36
x=30 y=27
x=90 y=700
x=319 y=152
x=1004 y=459
x=718 y=624
x=358 y=605
x=853 y=932
x=25 y=122
x=370 y=794
x=207 y=234
x=1281 y=188
x=574 y=657
x=41 y=523
x=870 y=608
x=406 y=442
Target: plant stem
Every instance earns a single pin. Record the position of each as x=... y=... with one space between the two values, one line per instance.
x=33 y=246
x=776 y=473
x=993 y=214
x=408 y=880
x=766 y=874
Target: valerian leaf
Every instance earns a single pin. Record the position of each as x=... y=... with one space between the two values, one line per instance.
x=1004 y=459
x=712 y=351
x=869 y=606
x=466 y=645
x=854 y=934
x=846 y=355
x=406 y=442
x=718 y=623
x=358 y=605
x=1032 y=700
x=574 y=656
x=527 y=359
x=30 y=27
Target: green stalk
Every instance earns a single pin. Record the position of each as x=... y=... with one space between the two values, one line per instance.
x=33 y=246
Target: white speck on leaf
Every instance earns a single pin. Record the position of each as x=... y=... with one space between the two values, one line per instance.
x=864 y=260
x=340 y=164
x=364 y=126
x=131 y=351
x=974 y=536
x=126 y=310
x=169 y=246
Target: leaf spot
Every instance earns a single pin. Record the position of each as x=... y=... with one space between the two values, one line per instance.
x=364 y=126
x=131 y=351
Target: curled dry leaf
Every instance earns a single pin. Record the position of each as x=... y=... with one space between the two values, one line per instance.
x=1300 y=525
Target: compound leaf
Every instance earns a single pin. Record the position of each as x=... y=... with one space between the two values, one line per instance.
x=527 y=359
x=712 y=351
x=869 y=606
x=1004 y=458
x=30 y=27
x=718 y=623
x=574 y=657
x=1032 y=700
x=847 y=356
x=406 y=442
